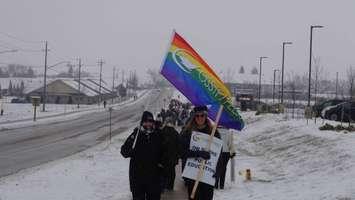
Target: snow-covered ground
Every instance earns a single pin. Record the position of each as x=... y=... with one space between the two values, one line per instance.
x=60 y=115
x=24 y=111
x=288 y=160
x=292 y=160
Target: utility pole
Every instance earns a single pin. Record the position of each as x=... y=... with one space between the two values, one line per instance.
x=44 y=98
x=101 y=62
x=273 y=89
x=79 y=83
x=259 y=91
x=336 y=86
x=113 y=84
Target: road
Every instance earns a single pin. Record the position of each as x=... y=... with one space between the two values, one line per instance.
x=26 y=147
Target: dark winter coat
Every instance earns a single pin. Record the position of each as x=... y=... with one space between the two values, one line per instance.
x=146 y=156
x=171 y=146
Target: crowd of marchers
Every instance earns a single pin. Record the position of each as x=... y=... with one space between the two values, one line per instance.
x=155 y=148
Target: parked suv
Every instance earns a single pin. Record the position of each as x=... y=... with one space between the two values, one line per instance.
x=342 y=112
x=319 y=107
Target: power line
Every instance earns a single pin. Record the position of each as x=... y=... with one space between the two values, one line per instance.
x=20 y=39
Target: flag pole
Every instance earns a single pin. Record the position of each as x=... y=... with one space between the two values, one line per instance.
x=201 y=171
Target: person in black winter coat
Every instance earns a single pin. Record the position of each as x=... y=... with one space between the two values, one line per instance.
x=171 y=146
x=144 y=148
x=199 y=122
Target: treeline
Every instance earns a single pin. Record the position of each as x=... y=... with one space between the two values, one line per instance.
x=13 y=89
x=16 y=70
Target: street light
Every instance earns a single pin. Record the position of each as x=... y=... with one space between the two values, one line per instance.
x=45 y=80
x=283 y=69
x=260 y=60
x=273 y=89
x=310 y=64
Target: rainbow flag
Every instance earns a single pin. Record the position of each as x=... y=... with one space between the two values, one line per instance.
x=192 y=76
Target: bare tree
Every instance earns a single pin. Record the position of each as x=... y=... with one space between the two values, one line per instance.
x=157 y=79
x=318 y=76
x=229 y=75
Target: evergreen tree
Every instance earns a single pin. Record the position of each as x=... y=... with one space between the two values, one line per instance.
x=254 y=71
x=70 y=70
x=241 y=70
x=10 y=89
x=22 y=88
x=30 y=72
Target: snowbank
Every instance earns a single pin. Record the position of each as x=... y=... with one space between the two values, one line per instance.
x=292 y=160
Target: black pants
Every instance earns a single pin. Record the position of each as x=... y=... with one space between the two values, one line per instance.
x=220 y=179
x=170 y=177
x=146 y=191
x=203 y=192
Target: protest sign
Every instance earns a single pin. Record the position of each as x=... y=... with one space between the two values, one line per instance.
x=199 y=141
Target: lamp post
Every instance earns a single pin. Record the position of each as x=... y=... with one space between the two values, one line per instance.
x=310 y=63
x=260 y=62
x=273 y=88
x=283 y=69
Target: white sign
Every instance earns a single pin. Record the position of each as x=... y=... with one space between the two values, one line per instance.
x=199 y=142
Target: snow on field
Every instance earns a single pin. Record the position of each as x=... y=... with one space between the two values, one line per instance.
x=19 y=111
x=22 y=114
x=288 y=160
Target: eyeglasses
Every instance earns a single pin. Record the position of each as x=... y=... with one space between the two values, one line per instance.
x=149 y=120
x=200 y=115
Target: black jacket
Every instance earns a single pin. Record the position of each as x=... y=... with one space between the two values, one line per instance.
x=144 y=166
x=171 y=146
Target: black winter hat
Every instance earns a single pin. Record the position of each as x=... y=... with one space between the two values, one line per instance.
x=147 y=115
x=200 y=109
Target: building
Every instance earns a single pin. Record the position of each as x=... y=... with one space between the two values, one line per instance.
x=66 y=91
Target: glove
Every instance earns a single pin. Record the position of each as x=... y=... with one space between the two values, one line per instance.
x=232 y=155
x=204 y=154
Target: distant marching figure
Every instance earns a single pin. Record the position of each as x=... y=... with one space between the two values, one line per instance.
x=144 y=148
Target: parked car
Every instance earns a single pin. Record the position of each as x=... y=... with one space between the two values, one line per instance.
x=342 y=112
x=320 y=106
x=19 y=100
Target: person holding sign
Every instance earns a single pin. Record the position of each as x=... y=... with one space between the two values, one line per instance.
x=199 y=124
x=144 y=147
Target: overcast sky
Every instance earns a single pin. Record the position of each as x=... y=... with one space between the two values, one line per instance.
x=134 y=34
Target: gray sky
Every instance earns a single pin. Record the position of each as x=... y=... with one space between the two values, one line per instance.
x=134 y=34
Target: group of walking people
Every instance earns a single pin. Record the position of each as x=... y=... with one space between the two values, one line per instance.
x=155 y=148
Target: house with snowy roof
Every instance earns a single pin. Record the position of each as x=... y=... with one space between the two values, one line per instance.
x=66 y=91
